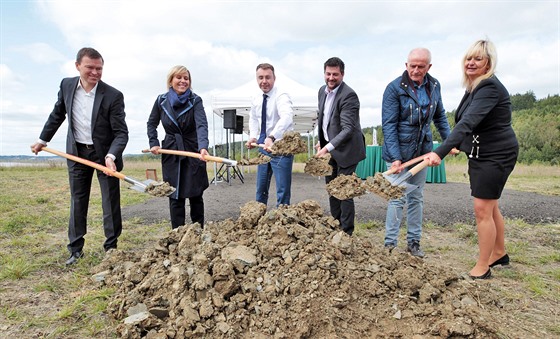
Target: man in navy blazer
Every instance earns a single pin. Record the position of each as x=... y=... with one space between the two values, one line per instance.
x=340 y=135
x=97 y=132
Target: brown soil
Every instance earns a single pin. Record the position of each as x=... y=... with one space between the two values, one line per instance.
x=259 y=159
x=379 y=185
x=290 y=272
x=346 y=187
x=160 y=189
x=318 y=167
x=291 y=143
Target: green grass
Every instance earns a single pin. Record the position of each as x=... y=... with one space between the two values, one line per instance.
x=43 y=298
x=14 y=268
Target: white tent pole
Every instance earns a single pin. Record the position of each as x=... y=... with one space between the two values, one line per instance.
x=308 y=146
x=214 y=167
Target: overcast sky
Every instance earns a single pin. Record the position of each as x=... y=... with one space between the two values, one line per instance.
x=221 y=42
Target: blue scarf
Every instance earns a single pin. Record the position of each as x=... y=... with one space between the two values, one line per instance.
x=178 y=102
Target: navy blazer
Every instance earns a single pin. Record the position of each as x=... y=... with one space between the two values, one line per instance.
x=344 y=130
x=108 y=126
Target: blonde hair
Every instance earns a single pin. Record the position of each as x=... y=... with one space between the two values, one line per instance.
x=177 y=70
x=485 y=49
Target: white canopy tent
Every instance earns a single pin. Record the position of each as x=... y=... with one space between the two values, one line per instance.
x=304 y=100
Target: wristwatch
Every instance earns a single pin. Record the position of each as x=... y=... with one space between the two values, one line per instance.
x=271 y=137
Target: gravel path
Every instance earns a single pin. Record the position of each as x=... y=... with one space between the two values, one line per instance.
x=444 y=204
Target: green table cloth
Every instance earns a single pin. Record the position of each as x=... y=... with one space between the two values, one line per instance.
x=374 y=163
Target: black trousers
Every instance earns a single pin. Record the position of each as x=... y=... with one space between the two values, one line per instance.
x=80 y=177
x=342 y=210
x=177 y=211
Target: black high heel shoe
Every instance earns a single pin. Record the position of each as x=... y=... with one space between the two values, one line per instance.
x=486 y=275
x=504 y=261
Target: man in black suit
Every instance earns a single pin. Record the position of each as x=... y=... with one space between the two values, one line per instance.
x=340 y=135
x=97 y=131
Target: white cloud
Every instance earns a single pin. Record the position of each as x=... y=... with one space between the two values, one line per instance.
x=222 y=42
x=40 y=53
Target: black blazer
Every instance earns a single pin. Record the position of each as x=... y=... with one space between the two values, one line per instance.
x=108 y=126
x=483 y=123
x=344 y=130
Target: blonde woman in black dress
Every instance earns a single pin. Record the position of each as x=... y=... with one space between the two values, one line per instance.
x=483 y=131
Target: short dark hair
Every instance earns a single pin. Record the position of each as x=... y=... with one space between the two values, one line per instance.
x=334 y=62
x=265 y=66
x=90 y=53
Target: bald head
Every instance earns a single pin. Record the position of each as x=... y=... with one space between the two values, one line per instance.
x=418 y=64
x=420 y=53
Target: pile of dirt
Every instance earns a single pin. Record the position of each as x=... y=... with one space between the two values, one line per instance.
x=288 y=273
x=291 y=143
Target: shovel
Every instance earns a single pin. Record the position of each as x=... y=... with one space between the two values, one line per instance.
x=400 y=180
x=389 y=187
x=413 y=171
x=195 y=155
x=145 y=186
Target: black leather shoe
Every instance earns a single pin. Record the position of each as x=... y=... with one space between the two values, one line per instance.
x=504 y=261
x=486 y=275
x=74 y=258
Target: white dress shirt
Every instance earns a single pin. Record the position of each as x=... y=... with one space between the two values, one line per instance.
x=82 y=111
x=327 y=110
x=279 y=114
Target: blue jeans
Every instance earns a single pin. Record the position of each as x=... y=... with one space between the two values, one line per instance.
x=414 y=215
x=281 y=167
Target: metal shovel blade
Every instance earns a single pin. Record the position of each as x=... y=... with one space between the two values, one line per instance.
x=156 y=188
x=400 y=180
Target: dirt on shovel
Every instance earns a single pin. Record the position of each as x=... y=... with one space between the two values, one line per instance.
x=318 y=166
x=291 y=143
x=260 y=159
x=160 y=189
x=346 y=187
x=379 y=185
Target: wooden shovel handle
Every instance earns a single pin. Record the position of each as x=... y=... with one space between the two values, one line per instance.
x=406 y=164
x=254 y=144
x=414 y=170
x=85 y=162
x=189 y=154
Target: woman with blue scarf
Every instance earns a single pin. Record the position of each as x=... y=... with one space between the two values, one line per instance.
x=183 y=118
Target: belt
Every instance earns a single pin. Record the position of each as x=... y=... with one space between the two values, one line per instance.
x=84 y=145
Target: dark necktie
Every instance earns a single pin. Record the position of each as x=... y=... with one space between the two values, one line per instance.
x=262 y=136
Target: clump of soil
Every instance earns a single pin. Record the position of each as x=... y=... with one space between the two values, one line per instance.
x=160 y=189
x=260 y=159
x=379 y=185
x=318 y=166
x=288 y=273
x=291 y=143
x=346 y=187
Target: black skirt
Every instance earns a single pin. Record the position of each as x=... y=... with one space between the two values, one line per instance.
x=488 y=176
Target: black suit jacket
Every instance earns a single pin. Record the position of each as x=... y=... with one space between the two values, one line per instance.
x=108 y=126
x=483 y=123
x=344 y=130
